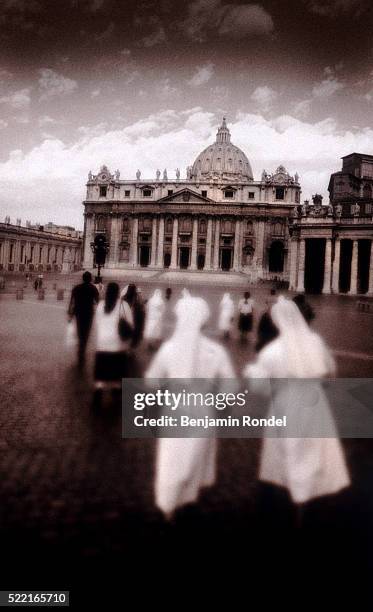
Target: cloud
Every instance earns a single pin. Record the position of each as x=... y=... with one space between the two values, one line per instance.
x=234 y=20
x=327 y=87
x=19 y=99
x=264 y=96
x=46 y=120
x=53 y=174
x=53 y=84
x=155 y=38
x=302 y=109
x=202 y=75
x=334 y=8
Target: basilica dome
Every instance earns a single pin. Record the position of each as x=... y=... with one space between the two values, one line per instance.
x=222 y=160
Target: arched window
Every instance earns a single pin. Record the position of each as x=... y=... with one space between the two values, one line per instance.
x=367 y=192
x=126 y=224
x=202 y=226
x=249 y=227
x=186 y=224
x=169 y=225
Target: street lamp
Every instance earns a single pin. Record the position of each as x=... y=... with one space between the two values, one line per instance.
x=100 y=249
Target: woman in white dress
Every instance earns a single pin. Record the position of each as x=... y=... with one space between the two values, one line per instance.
x=155 y=309
x=184 y=466
x=308 y=467
x=226 y=314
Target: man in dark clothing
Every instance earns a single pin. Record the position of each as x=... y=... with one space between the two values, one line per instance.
x=82 y=302
x=267 y=330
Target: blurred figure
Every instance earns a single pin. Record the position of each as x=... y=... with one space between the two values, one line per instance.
x=185 y=293
x=226 y=314
x=113 y=356
x=184 y=466
x=245 y=315
x=267 y=330
x=83 y=299
x=155 y=309
x=305 y=308
x=308 y=467
x=135 y=310
x=101 y=289
x=168 y=293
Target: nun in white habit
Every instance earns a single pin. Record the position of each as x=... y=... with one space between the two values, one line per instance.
x=185 y=465
x=226 y=314
x=155 y=308
x=308 y=467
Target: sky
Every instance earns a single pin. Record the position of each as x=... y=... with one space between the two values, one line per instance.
x=145 y=84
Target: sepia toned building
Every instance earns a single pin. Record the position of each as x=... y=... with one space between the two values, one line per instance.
x=27 y=249
x=218 y=218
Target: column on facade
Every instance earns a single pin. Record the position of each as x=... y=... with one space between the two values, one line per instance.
x=354 y=269
x=215 y=265
x=293 y=264
x=370 y=285
x=336 y=266
x=236 y=251
x=260 y=244
x=116 y=222
x=327 y=266
x=153 y=254
x=301 y=265
x=193 y=260
x=208 y=244
x=134 y=240
x=160 y=242
x=88 y=238
x=175 y=232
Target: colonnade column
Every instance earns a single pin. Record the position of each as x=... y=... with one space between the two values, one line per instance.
x=208 y=244
x=354 y=262
x=370 y=285
x=135 y=231
x=160 y=242
x=293 y=264
x=236 y=251
x=301 y=267
x=327 y=266
x=193 y=260
x=215 y=265
x=154 y=242
x=336 y=265
x=175 y=232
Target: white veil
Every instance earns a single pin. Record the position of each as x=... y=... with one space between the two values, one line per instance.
x=306 y=354
x=191 y=314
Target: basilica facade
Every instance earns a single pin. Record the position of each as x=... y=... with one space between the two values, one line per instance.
x=219 y=219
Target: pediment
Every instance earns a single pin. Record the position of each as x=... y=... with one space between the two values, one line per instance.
x=185 y=196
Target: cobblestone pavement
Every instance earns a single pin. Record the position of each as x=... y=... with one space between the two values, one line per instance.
x=75 y=492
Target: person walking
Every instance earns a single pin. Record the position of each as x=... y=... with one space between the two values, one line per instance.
x=245 y=315
x=185 y=465
x=226 y=314
x=155 y=308
x=83 y=299
x=307 y=466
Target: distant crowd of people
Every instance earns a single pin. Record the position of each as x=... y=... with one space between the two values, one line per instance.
x=286 y=348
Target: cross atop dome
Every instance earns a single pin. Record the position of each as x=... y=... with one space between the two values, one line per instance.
x=223 y=133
